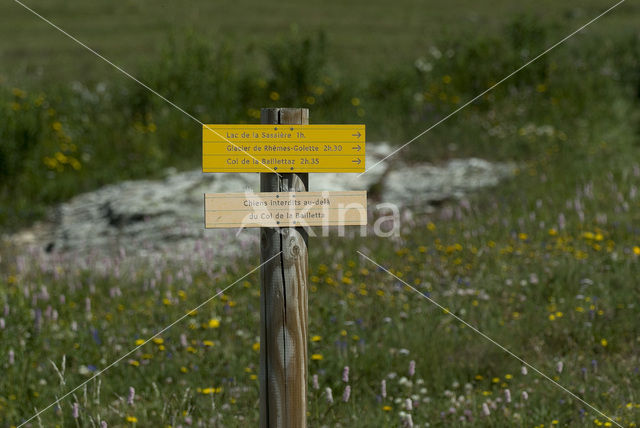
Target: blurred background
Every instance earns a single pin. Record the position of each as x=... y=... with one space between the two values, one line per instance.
x=546 y=261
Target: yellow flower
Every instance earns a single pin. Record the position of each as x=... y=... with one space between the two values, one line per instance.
x=347 y=280
x=552 y=317
x=431 y=226
x=553 y=232
x=274 y=96
x=183 y=369
x=355 y=101
x=214 y=323
x=139 y=342
x=508 y=376
x=57 y=126
x=316 y=338
x=495 y=380
x=253 y=377
x=207 y=343
x=636 y=250
x=132 y=419
x=446 y=79
x=604 y=342
x=134 y=363
x=523 y=236
x=158 y=340
x=256 y=346
x=316 y=357
x=386 y=408
x=343 y=333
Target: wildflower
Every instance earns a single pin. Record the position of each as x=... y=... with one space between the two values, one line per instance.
x=636 y=250
x=75 y=411
x=485 y=409
x=316 y=338
x=604 y=342
x=383 y=389
x=274 y=95
x=346 y=394
x=316 y=357
x=329 y=395
x=523 y=370
x=559 y=367
x=134 y=363
x=315 y=382
x=507 y=396
x=355 y=101
x=408 y=421
x=412 y=368
x=214 y=323
x=139 y=342
x=256 y=346
x=132 y=394
x=183 y=340
x=386 y=408
x=345 y=374
x=408 y=404
x=208 y=343
x=525 y=395
x=103 y=424
x=158 y=340
x=11 y=357
x=132 y=419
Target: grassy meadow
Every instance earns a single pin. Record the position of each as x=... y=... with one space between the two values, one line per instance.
x=546 y=264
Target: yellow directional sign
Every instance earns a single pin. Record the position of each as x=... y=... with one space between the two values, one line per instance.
x=283 y=148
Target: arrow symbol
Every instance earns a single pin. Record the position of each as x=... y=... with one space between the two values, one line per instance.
x=356 y=161
x=358 y=135
x=357 y=148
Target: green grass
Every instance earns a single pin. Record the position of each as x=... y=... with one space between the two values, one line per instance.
x=366 y=37
x=546 y=263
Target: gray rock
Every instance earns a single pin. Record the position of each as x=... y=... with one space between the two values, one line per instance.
x=147 y=217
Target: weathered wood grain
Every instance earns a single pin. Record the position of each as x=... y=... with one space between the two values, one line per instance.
x=283 y=303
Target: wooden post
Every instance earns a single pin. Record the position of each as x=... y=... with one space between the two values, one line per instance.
x=283 y=301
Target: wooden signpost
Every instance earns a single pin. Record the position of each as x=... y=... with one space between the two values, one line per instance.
x=284 y=149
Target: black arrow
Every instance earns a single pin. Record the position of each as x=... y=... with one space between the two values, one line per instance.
x=357 y=148
x=356 y=161
x=357 y=135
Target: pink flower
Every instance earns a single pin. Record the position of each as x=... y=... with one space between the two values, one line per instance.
x=485 y=409
x=75 y=411
x=329 y=395
x=132 y=395
x=315 y=382
x=507 y=396
x=412 y=368
x=346 y=394
x=345 y=374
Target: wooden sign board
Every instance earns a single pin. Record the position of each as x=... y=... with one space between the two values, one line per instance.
x=285 y=209
x=283 y=148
